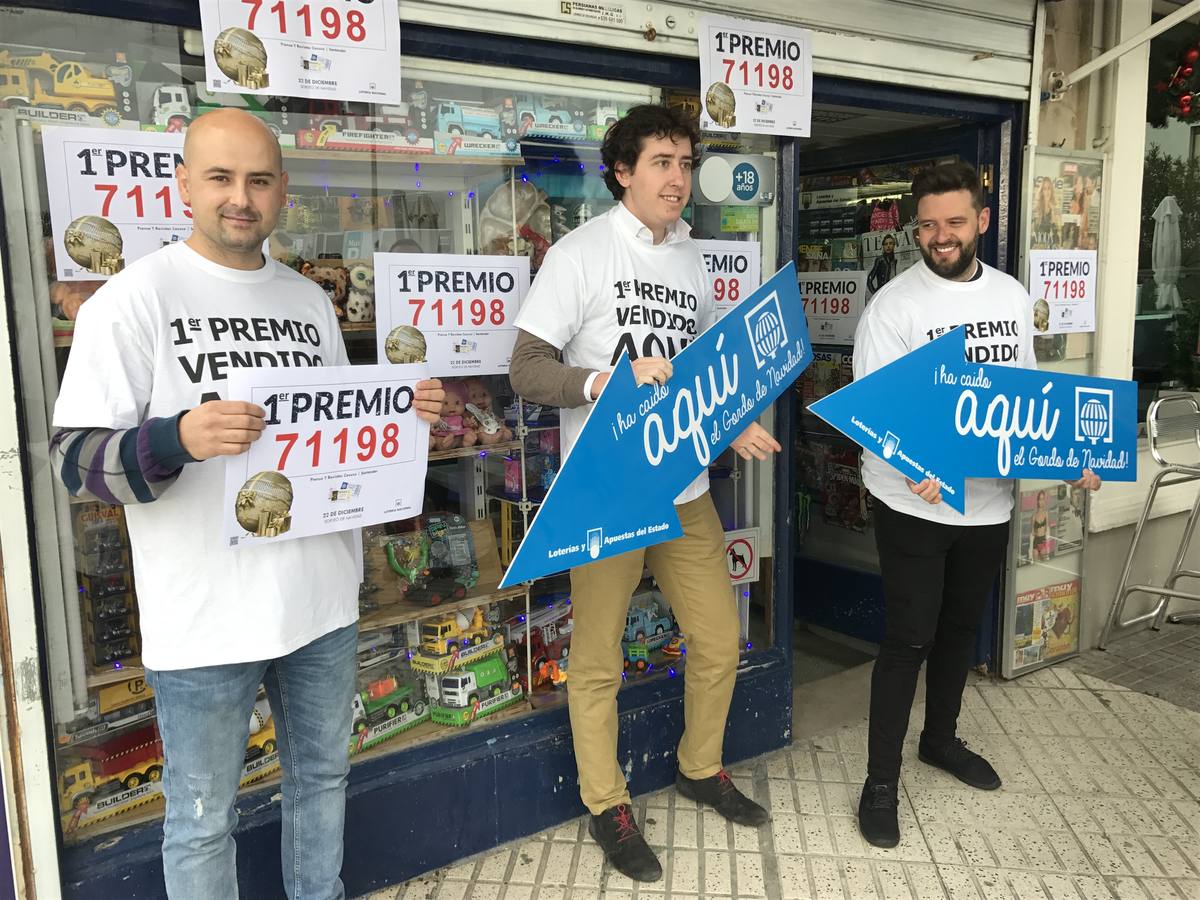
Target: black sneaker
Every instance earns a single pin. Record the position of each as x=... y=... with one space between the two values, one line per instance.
x=964 y=764
x=719 y=792
x=623 y=845
x=877 y=813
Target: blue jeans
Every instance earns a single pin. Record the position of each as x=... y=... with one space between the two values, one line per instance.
x=204 y=719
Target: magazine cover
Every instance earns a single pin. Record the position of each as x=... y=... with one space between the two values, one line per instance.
x=1047 y=623
x=814 y=256
x=828 y=372
x=1051 y=522
x=845 y=495
x=885 y=254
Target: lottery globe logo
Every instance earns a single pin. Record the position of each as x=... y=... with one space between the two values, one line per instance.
x=404 y=344
x=1093 y=415
x=764 y=324
x=264 y=504
x=96 y=244
x=242 y=56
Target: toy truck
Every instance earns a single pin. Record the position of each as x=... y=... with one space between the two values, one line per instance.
x=441 y=637
x=53 y=83
x=550 y=116
x=475 y=682
x=453 y=117
x=107 y=772
x=112 y=706
x=645 y=621
x=637 y=656
x=175 y=105
x=382 y=701
x=548 y=641
x=548 y=609
x=477 y=689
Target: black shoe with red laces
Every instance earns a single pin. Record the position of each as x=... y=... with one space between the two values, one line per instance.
x=624 y=847
x=719 y=792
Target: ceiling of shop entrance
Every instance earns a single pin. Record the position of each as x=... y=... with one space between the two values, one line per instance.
x=838 y=126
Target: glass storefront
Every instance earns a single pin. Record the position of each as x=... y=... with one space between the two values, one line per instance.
x=478 y=159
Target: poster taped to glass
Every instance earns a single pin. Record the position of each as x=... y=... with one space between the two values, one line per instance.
x=1067 y=192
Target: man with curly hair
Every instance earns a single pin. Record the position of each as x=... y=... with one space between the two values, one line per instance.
x=601 y=292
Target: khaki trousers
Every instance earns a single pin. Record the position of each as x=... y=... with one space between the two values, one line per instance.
x=692 y=573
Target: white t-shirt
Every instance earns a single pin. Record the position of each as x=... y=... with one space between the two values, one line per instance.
x=918 y=306
x=155 y=340
x=607 y=288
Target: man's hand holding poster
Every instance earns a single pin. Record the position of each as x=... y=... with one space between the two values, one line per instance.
x=642 y=446
x=343 y=448
x=932 y=415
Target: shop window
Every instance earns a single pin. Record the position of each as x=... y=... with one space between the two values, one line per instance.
x=475 y=160
x=1166 y=357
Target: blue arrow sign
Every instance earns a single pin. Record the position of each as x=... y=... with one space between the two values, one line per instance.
x=931 y=414
x=641 y=446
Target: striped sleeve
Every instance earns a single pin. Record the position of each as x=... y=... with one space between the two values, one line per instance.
x=120 y=466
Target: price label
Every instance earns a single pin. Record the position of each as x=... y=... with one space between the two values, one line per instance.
x=734 y=269
x=1062 y=289
x=833 y=304
x=343 y=448
x=755 y=77
x=332 y=49
x=455 y=312
x=113 y=198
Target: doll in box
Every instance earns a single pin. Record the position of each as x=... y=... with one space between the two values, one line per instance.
x=488 y=426
x=452 y=430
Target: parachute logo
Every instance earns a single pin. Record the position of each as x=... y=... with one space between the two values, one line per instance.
x=764 y=324
x=1094 y=415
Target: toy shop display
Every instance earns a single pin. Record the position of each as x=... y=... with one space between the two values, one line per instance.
x=441 y=174
x=649 y=629
x=105 y=572
x=101 y=779
x=522 y=205
x=360 y=306
x=543 y=641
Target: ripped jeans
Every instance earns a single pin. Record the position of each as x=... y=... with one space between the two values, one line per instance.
x=204 y=719
x=937 y=579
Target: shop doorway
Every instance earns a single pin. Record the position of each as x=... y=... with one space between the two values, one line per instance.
x=856 y=212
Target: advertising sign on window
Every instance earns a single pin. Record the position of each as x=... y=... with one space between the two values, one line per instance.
x=303 y=48
x=755 y=77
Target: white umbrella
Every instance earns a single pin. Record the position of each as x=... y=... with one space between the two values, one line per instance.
x=1165 y=253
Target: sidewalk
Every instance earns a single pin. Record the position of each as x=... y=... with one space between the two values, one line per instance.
x=1101 y=799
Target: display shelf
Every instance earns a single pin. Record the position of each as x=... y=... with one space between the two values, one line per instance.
x=357 y=327
x=96 y=733
x=466 y=452
x=428 y=732
x=532 y=499
x=389 y=158
x=404 y=611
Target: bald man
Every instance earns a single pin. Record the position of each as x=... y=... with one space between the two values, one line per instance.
x=144 y=424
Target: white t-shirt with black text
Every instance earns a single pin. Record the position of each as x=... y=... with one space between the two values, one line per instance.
x=607 y=288
x=160 y=338
x=918 y=306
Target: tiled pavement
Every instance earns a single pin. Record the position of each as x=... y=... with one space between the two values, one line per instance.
x=1101 y=799
x=1163 y=663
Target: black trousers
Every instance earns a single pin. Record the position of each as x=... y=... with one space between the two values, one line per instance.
x=936 y=582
